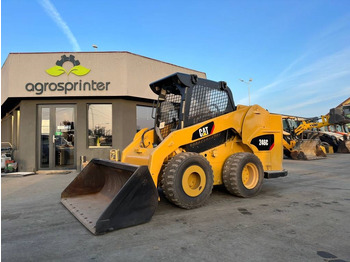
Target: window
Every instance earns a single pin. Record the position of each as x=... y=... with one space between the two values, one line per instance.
x=144 y=117
x=100 y=125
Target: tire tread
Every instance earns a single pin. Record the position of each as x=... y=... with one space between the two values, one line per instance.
x=232 y=176
x=169 y=176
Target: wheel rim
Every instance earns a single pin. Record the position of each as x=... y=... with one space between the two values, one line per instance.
x=250 y=176
x=193 y=181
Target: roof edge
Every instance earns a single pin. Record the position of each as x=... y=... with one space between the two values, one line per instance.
x=105 y=52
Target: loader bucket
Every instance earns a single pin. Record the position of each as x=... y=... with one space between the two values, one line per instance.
x=344 y=145
x=307 y=149
x=109 y=195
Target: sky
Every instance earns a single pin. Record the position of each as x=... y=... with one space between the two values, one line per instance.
x=297 y=52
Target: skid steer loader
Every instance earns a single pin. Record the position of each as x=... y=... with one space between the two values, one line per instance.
x=200 y=139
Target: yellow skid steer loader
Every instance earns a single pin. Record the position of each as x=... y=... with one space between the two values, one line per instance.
x=200 y=139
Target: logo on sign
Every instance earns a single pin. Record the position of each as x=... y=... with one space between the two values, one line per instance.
x=77 y=69
x=67 y=87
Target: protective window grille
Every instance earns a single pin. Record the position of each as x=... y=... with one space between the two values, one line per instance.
x=207 y=103
x=169 y=113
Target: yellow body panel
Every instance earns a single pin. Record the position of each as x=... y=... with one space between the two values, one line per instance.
x=323 y=149
x=248 y=122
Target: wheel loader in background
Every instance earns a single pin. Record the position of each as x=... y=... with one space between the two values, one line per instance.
x=299 y=141
x=200 y=139
x=303 y=140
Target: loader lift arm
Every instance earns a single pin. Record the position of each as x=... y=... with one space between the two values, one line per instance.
x=310 y=125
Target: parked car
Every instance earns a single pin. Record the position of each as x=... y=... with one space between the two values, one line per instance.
x=6 y=153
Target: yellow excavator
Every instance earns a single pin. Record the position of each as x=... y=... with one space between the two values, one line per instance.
x=200 y=139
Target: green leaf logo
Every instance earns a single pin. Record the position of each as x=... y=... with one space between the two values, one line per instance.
x=56 y=71
x=79 y=70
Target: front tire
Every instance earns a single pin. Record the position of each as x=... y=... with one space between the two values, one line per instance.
x=243 y=174
x=187 y=180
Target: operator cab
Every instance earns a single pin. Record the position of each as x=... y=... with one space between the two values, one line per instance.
x=185 y=100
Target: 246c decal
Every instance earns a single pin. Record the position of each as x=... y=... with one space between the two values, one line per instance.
x=264 y=143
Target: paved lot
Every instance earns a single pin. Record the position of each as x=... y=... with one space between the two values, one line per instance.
x=302 y=217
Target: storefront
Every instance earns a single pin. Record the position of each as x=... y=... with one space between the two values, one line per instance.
x=60 y=107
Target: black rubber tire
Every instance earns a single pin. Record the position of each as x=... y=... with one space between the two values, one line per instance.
x=326 y=146
x=232 y=174
x=331 y=140
x=171 y=180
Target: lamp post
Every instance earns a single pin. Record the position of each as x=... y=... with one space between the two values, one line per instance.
x=248 y=83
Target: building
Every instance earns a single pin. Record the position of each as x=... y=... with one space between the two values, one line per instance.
x=59 y=107
x=346 y=102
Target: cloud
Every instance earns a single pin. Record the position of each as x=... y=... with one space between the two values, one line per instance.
x=315 y=81
x=320 y=98
x=311 y=89
x=328 y=67
x=56 y=17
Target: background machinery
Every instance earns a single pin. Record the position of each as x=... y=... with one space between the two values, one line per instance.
x=307 y=139
x=200 y=139
x=300 y=142
x=336 y=133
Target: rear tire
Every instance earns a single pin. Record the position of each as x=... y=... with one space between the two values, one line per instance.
x=331 y=140
x=187 y=180
x=243 y=174
x=326 y=146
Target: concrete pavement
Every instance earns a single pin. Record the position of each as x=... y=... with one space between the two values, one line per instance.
x=302 y=217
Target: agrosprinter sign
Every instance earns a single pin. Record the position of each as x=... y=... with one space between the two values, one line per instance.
x=66 y=87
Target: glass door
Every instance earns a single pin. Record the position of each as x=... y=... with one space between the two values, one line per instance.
x=44 y=159
x=64 y=137
x=57 y=134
